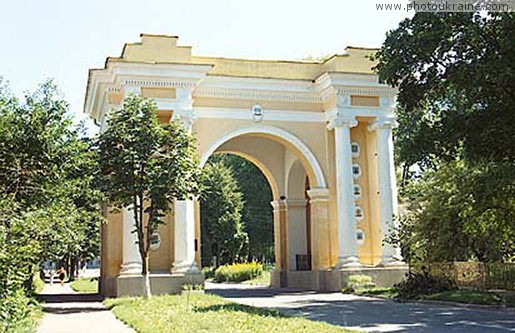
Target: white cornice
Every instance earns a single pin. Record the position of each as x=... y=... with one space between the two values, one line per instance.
x=268 y=115
x=159 y=83
x=257 y=95
x=119 y=74
x=359 y=111
x=366 y=91
x=353 y=84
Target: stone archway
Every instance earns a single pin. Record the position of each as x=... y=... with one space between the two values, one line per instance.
x=299 y=148
x=288 y=165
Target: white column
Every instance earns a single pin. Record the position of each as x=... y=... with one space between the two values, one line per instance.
x=184 y=210
x=387 y=185
x=347 y=243
x=131 y=256
x=184 y=220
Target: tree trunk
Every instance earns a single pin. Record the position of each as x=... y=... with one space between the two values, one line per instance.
x=146 y=278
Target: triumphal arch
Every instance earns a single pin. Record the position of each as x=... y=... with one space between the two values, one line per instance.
x=320 y=131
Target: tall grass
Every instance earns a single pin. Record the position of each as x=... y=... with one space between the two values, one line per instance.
x=238 y=272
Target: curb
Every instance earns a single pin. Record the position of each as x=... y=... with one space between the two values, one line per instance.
x=466 y=305
x=447 y=303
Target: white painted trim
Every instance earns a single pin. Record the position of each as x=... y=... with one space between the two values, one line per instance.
x=274 y=132
x=360 y=111
x=271 y=115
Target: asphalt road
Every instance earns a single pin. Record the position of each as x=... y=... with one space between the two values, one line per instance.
x=370 y=314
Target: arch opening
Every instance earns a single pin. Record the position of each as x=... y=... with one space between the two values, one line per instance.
x=289 y=168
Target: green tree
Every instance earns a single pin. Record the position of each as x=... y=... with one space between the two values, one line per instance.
x=222 y=230
x=146 y=166
x=257 y=211
x=18 y=252
x=455 y=74
x=48 y=205
x=48 y=170
x=456 y=107
x=462 y=211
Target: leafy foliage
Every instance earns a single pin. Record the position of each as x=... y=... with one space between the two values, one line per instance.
x=222 y=230
x=257 y=212
x=49 y=209
x=460 y=211
x=146 y=165
x=455 y=74
x=418 y=284
x=18 y=253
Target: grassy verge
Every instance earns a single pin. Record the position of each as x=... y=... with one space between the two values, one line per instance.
x=85 y=285
x=206 y=313
x=264 y=279
x=466 y=296
x=470 y=296
x=379 y=292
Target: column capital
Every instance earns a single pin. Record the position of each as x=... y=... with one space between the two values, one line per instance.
x=339 y=119
x=383 y=123
x=278 y=204
x=186 y=116
x=317 y=194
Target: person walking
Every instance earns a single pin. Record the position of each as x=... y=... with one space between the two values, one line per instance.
x=62 y=274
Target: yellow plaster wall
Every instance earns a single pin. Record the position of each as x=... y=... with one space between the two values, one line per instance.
x=262 y=68
x=355 y=61
x=331 y=205
x=115 y=98
x=113 y=244
x=157 y=48
x=365 y=250
x=364 y=100
x=156 y=92
x=197 y=233
x=164 y=49
x=161 y=259
x=208 y=131
x=373 y=190
x=164 y=116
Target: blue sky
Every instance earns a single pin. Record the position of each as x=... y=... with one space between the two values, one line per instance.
x=61 y=39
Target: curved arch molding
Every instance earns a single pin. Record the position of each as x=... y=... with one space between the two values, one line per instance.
x=289 y=140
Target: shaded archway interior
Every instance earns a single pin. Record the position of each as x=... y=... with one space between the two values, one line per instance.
x=284 y=168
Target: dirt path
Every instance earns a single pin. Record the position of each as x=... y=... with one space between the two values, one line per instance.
x=68 y=311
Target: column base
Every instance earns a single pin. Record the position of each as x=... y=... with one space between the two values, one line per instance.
x=132 y=268
x=383 y=277
x=317 y=280
x=185 y=268
x=391 y=262
x=348 y=262
x=133 y=285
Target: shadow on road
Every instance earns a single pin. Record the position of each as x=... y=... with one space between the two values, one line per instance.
x=368 y=313
x=70 y=298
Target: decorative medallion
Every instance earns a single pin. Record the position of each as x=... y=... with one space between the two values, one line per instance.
x=257 y=113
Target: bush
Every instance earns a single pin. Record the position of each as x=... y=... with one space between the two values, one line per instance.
x=15 y=312
x=208 y=272
x=418 y=284
x=238 y=272
x=360 y=282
